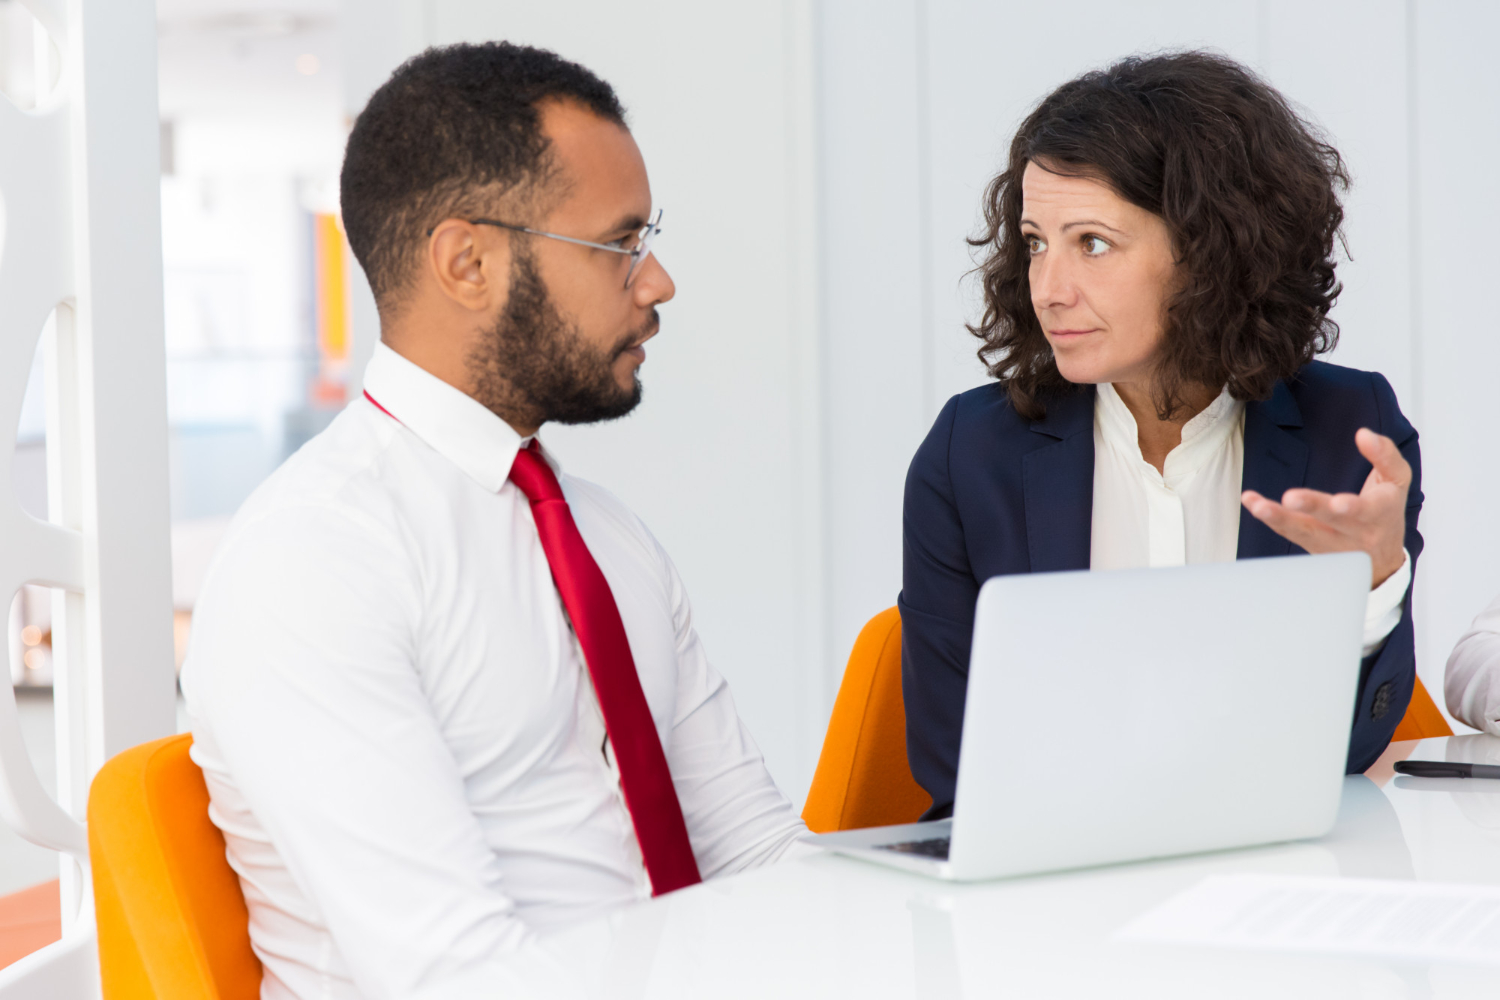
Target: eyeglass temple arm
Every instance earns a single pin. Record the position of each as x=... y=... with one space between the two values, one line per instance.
x=550 y=236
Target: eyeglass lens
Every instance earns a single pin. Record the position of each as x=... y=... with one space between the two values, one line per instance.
x=642 y=249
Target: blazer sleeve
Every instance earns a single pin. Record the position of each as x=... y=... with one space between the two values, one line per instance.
x=1388 y=675
x=937 y=584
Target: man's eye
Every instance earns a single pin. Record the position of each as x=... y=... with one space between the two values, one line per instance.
x=1094 y=245
x=627 y=242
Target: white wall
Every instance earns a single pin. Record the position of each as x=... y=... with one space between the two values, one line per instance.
x=878 y=317
x=821 y=163
x=1457 y=361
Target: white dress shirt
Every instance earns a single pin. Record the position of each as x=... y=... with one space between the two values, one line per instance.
x=1190 y=511
x=398 y=732
x=1471 y=685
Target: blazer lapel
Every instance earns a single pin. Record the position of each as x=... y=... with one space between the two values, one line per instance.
x=1275 y=461
x=1059 y=486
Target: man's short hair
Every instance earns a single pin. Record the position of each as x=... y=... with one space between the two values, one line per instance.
x=452 y=131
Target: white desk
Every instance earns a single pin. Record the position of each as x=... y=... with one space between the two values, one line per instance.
x=827 y=926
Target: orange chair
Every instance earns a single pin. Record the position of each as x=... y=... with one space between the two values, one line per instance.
x=1422 y=720
x=863 y=778
x=172 y=920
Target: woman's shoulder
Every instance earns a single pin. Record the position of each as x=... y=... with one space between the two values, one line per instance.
x=985 y=403
x=981 y=427
x=1323 y=390
x=976 y=420
x=988 y=409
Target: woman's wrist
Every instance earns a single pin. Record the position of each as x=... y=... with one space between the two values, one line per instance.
x=1388 y=567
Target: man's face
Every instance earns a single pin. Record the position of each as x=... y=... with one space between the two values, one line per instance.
x=567 y=345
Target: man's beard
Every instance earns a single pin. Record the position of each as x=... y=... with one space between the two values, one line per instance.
x=533 y=366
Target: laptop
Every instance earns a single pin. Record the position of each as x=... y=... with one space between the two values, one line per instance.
x=1129 y=714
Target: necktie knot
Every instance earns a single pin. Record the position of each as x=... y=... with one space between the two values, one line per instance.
x=533 y=476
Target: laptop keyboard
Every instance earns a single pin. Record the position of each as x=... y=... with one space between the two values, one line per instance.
x=937 y=847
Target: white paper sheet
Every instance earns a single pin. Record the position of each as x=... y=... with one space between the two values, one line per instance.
x=1422 y=921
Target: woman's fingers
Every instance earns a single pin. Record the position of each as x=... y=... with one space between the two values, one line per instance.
x=1341 y=522
x=1313 y=502
x=1331 y=506
x=1371 y=521
x=1308 y=530
x=1381 y=452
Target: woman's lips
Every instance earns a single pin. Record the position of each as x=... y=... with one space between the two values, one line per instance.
x=1067 y=334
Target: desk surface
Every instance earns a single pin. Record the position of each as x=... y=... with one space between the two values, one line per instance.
x=827 y=926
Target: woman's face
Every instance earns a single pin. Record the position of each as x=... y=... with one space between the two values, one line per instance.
x=1101 y=272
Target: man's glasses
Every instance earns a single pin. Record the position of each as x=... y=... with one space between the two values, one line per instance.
x=637 y=251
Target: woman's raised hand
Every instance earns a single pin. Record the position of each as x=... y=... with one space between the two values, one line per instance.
x=1372 y=521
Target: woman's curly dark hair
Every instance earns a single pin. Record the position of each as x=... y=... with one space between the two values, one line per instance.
x=1247 y=189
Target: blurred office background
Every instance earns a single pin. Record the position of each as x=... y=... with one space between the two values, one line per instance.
x=820 y=163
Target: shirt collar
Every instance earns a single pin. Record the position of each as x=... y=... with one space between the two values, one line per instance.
x=1202 y=436
x=453 y=423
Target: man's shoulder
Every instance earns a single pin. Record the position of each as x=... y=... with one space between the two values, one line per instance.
x=601 y=508
x=331 y=488
x=618 y=536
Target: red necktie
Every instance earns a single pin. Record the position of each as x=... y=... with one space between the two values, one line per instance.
x=644 y=776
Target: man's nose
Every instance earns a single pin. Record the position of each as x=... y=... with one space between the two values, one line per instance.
x=653 y=285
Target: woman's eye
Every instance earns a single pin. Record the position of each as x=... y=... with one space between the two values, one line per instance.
x=1094 y=245
x=1034 y=245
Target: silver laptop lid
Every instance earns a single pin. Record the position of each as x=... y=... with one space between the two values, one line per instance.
x=1128 y=714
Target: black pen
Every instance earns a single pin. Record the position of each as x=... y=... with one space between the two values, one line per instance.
x=1443 y=769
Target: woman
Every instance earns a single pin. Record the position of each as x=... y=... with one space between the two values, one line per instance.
x=1157 y=281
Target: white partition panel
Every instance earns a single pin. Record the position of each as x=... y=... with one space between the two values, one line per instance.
x=377 y=36
x=876 y=193
x=1345 y=63
x=79 y=179
x=1456 y=206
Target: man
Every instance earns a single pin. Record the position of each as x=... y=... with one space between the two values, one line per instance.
x=1472 y=681
x=446 y=697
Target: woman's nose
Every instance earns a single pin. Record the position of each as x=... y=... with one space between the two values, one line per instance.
x=1051 y=284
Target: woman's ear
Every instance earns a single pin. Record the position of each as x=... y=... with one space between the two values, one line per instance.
x=470 y=264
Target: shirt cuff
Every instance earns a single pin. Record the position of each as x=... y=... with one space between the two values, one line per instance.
x=1383 y=607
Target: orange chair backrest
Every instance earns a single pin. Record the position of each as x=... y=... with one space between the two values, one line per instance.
x=863 y=778
x=172 y=919
x=1422 y=720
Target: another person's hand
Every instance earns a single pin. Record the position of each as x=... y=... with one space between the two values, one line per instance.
x=1372 y=521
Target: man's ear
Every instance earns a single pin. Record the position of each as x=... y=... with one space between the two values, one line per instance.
x=470 y=264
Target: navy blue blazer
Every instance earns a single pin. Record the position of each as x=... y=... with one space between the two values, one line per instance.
x=990 y=492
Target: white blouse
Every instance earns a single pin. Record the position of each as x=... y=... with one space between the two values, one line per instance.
x=1189 y=512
